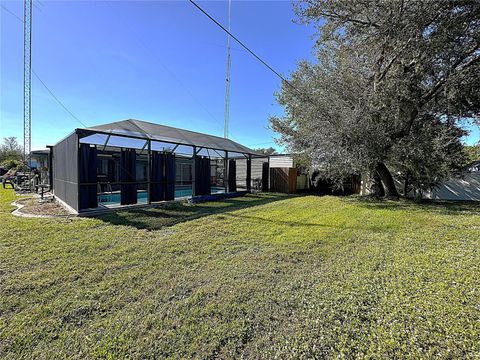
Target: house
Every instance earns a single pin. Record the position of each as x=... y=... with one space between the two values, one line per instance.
x=40 y=160
x=465 y=187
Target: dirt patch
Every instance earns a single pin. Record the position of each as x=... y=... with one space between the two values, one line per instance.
x=47 y=207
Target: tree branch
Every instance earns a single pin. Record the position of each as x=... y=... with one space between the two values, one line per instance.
x=455 y=67
x=346 y=18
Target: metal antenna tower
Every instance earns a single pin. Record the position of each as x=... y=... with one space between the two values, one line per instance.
x=227 y=84
x=27 y=81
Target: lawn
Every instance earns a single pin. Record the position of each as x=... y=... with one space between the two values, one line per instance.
x=261 y=276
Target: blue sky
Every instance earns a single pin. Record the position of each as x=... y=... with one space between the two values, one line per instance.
x=157 y=61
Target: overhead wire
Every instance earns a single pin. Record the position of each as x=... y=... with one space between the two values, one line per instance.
x=167 y=69
x=242 y=44
x=52 y=94
x=57 y=99
x=301 y=95
x=11 y=12
x=43 y=82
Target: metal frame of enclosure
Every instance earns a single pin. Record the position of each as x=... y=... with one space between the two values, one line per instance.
x=136 y=162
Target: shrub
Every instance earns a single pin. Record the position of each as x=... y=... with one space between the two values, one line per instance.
x=11 y=163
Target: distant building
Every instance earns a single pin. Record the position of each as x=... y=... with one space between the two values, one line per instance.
x=465 y=187
x=40 y=160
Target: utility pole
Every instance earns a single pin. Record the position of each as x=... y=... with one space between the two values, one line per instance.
x=27 y=81
x=227 y=85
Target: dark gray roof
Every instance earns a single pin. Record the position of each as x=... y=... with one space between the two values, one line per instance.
x=147 y=130
x=40 y=152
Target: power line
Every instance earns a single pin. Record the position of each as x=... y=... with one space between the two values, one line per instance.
x=246 y=48
x=15 y=15
x=239 y=41
x=141 y=41
x=64 y=107
x=71 y=114
x=167 y=69
x=41 y=81
x=11 y=12
x=299 y=92
x=58 y=100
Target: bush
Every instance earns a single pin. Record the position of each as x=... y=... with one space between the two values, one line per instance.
x=11 y=163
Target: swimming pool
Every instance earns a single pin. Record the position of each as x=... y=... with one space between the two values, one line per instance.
x=114 y=198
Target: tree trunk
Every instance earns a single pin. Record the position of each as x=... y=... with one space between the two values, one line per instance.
x=377 y=188
x=387 y=181
x=406 y=184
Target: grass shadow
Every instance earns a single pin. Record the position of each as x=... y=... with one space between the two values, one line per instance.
x=169 y=214
x=367 y=226
x=434 y=206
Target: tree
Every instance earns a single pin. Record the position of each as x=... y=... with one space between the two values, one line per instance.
x=391 y=83
x=473 y=153
x=266 y=151
x=430 y=153
x=11 y=164
x=10 y=149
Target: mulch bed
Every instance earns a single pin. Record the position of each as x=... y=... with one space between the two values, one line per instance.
x=35 y=206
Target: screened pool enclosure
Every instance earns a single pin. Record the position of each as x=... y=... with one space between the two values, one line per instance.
x=136 y=162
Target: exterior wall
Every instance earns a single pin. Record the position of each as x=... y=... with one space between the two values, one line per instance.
x=302 y=182
x=287 y=162
x=281 y=161
x=40 y=161
x=256 y=179
x=241 y=174
x=466 y=188
x=365 y=185
x=65 y=171
x=257 y=164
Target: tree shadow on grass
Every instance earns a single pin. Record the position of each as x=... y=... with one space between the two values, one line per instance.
x=169 y=214
x=303 y=224
x=434 y=206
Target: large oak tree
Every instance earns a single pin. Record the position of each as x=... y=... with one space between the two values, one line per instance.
x=391 y=84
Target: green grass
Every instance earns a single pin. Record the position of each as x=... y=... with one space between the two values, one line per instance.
x=255 y=277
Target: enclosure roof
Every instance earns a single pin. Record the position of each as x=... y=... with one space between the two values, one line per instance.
x=150 y=131
x=40 y=152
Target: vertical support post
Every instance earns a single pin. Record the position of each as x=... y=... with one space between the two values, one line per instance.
x=225 y=170
x=194 y=170
x=149 y=170
x=50 y=167
x=175 y=177
x=77 y=143
x=249 y=173
x=268 y=182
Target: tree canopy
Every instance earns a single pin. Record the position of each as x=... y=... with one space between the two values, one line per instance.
x=266 y=151
x=10 y=149
x=391 y=83
x=473 y=153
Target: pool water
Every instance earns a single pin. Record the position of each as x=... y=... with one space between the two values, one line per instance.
x=114 y=198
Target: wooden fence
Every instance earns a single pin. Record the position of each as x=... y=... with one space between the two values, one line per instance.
x=283 y=180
